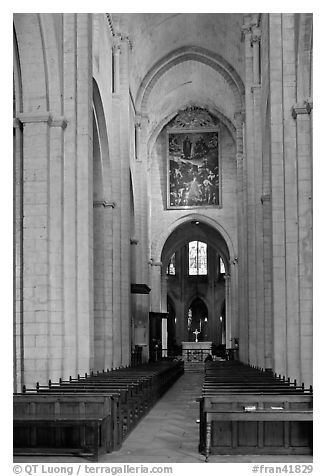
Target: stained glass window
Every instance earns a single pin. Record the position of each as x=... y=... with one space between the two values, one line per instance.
x=197 y=258
x=171 y=266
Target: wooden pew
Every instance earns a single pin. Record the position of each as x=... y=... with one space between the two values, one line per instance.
x=133 y=391
x=61 y=424
x=245 y=410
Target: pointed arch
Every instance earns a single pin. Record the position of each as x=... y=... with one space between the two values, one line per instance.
x=190 y=53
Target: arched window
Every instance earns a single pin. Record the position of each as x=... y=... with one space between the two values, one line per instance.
x=170 y=270
x=197 y=258
x=222 y=267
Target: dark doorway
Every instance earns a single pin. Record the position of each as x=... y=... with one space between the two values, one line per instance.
x=197 y=321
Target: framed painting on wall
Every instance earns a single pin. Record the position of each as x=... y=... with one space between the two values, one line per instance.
x=193 y=175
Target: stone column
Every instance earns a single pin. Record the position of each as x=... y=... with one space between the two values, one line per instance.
x=301 y=113
x=141 y=224
x=69 y=198
x=156 y=286
x=18 y=323
x=228 y=331
x=255 y=41
x=241 y=309
x=258 y=187
x=58 y=125
x=250 y=198
x=84 y=194
x=116 y=68
x=137 y=139
x=125 y=200
x=35 y=245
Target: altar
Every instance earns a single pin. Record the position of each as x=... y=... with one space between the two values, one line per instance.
x=196 y=351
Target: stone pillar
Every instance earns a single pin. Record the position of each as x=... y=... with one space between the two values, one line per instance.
x=56 y=291
x=302 y=115
x=125 y=201
x=84 y=194
x=241 y=310
x=141 y=224
x=35 y=245
x=258 y=187
x=156 y=286
x=137 y=139
x=255 y=41
x=164 y=291
x=228 y=336
x=78 y=304
x=116 y=68
x=109 y=277
x=250 y=198
x=18 y=323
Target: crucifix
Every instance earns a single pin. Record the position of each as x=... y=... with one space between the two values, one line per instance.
x=196 y=334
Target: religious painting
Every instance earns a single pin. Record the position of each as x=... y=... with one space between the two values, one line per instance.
x=193 y=168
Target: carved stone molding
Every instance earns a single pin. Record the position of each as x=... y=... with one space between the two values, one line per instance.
x=35 y=118
x=304 y=107
x=246 y=30
x=110 y=22
x=256 y=36
x=125 y=38
x=116 y=48
x=193 y=117
x=134 y=241
x=155 y=263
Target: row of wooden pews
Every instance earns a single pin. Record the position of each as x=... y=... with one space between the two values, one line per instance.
x=90 y=414
x=247 y=410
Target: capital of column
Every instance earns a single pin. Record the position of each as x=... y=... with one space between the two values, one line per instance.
x=134 y=241
x=34 y=117
x=155 y=263
x=246 y=29
x=240 y=118
x=124 y=38
x=304 y=107
x=256 y=36
x=38 y=117
x=227 y=278
x=116 y=48
x=239 y=157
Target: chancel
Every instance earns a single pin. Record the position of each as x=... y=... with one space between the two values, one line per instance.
x=162 y=235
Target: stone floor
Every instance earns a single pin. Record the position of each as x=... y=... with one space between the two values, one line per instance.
x=169 y=434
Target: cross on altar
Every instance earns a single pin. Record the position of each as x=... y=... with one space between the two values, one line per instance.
x=196 y=334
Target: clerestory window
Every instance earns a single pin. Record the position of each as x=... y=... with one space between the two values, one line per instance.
x=197 y=258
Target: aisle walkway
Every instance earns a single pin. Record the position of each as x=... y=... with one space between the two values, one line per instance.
x=169 y=432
